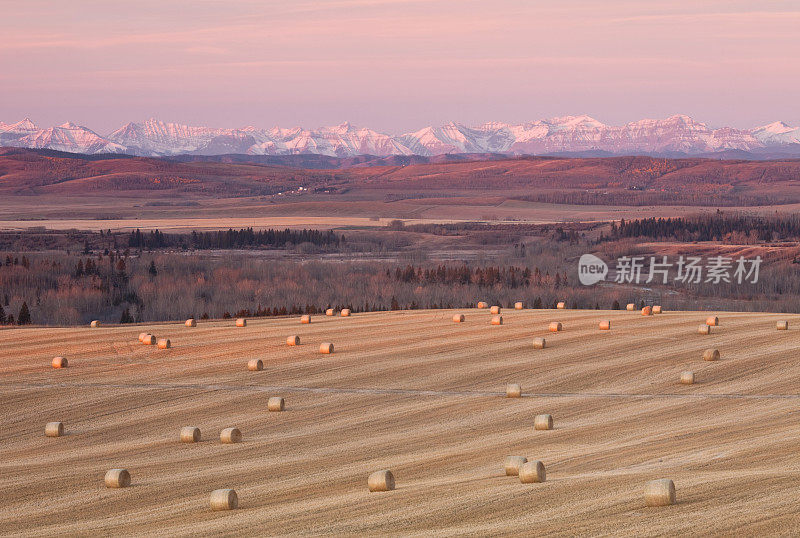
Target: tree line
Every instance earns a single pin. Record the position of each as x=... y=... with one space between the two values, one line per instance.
x=233 y=239
x=708 y=228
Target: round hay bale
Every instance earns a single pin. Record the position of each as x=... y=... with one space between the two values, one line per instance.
x=191 y=322
x=345 y=312
x=241 y=322
x=60 y=362
x=704 y=329
x=605 y=325
x=329 y=312
x=494 y=310
x=149 y=340
x=659 y=492
x=164 y=343
x=711 y=355
x=532 y=472
x=630 y=307
x=54 y=429
x=513 y=390
x=497 y=320
x=512 y=464
x=230 y=436
x=118 y=478
x=782 y=325
x=687 y=378
x=561 y=306
x=539 y=343
x=381 y=481
x=326 y=348
x=275 y=403
x=712 y=321
x=224 y=499
x=647 y=311
x=657 y=309
x=293 y=340
x=556 y=326
x=518 y=306
x=458 y=318
x=141 y=336
x=95 y=323
x=543 y=422
x=190 y=434
x=305 y=319
x=481 y=304
x=255 y=365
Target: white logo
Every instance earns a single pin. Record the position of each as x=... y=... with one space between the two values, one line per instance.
x=591 y=269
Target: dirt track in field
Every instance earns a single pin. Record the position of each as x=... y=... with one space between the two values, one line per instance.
x=415 y=393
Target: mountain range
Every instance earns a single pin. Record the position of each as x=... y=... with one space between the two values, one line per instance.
x=677 y=135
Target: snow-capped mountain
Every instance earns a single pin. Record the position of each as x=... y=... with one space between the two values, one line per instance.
x=67 y=137
x=677 y=134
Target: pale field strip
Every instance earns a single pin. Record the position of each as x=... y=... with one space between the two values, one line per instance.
x=416 y=393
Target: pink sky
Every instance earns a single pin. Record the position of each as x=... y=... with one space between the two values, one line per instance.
x=398 y=65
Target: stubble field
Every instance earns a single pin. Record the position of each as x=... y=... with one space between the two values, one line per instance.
x=415 y=393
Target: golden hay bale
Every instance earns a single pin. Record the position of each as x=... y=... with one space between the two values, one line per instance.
x=190 y=434
x=561 y=306
x=687 y=378
x=241 y=322
x=782 y=325
x=494 y=310
x=224 y=499
x=255 y=365
x=630 y=307
x=481 y=304
x=230 y=435
x=305 y=319
x=532 y=472
x=659 y=492
x=647 y=311
x=54 y=429
x=711 y=355
x=149 y=340
x=118 y=478
x=556 y=326
x=605 y=325
x=539 y=343
x=704 y=329
x=381 y=481
x=543 y=422
x=275 y=403
x=458 y=318
x=345 y=312
x=329 y=312
x=191 y=322
x=95 y=323
x=712 y=321
x=326 y=348
x=293 y=340
x=513 y=390
x=141 y=336
x=512 y=464
x=60 y=362
x=164 y=343
x=657 y=309
x=497 y=320
x=518 y=306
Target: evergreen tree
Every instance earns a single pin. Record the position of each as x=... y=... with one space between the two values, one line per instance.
x=24 y=316
x=126 y=316
x=152 y=269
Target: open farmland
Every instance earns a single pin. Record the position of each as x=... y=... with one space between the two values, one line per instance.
x=415 y=393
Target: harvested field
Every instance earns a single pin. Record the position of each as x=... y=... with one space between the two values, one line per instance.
x=411 y=392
